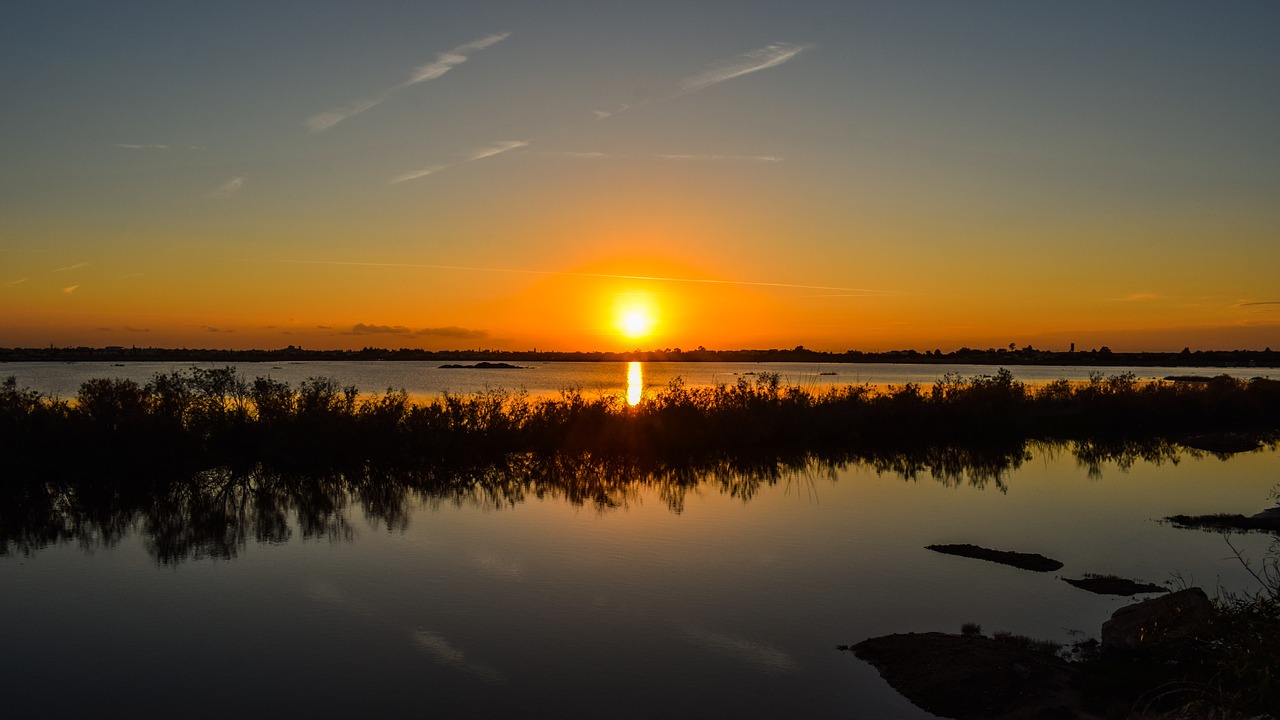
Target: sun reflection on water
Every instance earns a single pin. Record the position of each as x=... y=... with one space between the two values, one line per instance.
x=635 y=383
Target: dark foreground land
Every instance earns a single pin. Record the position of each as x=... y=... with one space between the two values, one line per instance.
x=1174 y=657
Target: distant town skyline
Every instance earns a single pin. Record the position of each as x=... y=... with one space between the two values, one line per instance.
x=612 y=175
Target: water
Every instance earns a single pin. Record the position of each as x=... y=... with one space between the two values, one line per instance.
x=721 y=599
x=428 y=379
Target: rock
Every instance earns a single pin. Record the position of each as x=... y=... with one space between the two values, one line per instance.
x=1265 y=521
x=1024 y=561
x=971 y=676
x=1112 y=585
x=1157 y=622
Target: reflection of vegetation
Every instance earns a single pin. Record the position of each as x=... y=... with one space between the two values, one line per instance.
x=201 y=461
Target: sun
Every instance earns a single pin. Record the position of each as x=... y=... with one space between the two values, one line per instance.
x=634 y=317
x=635 y=323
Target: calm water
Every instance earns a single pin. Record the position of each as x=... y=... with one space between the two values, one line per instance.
x=428 y=379
x=725 y=599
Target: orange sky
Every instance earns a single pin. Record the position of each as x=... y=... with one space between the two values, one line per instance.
x=850 y=176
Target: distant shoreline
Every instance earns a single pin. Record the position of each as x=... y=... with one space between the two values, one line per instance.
x=965 y=356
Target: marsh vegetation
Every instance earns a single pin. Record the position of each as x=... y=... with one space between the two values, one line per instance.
x=211 y=418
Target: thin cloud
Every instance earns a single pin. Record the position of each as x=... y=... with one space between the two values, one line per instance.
x=444 y=62
x=447 y=61
x=454 y=332
x=77 y=266
x=1260 y=302
x=70 y=289
x=134 y=329
x=130 y=276
x=363 y=329
x=19 y=281
x=740 y=158
x=129 y=146
x=326 y=120
x=602 y=114
x=416 y=174
x=497 y=148
x=652 y=278
x=229 y=188
x=212 y=329
x=1137 y=297
x=766 y=57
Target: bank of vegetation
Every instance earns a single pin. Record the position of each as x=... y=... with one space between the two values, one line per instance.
x=197 y=419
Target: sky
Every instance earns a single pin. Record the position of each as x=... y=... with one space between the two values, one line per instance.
x=622 y=174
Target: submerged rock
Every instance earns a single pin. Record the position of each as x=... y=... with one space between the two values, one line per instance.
x=1025 y=561
x=1265 y=521
x=1112 y=585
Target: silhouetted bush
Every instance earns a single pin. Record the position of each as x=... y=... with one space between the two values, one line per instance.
x=209 y=418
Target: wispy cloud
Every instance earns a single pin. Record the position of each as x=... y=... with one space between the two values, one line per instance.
x=739 y=158
x=228 y=188
x=130 y=276
x=134 y=329
x=19 y=281
x=495 y=148
x=1137 y=297
x=77 y=266
x=653 y=278
x=212 y=329
x=130 y=146
x=363 y=329
x=602 y=114
x=70 y=289
x=416 y=174
x=327 y=119
x=443 y=63
x=454 y=332
x=1259 y=302
x=766 y=57
x=447 y=61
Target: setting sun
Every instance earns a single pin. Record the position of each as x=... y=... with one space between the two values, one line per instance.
x=634 y=315
x=636 y=323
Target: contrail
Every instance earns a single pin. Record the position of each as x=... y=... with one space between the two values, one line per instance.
x=611 y=276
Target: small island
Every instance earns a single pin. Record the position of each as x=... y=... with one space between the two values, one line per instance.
x=483 y=366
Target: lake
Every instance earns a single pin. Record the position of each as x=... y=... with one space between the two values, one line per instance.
x=718 y=596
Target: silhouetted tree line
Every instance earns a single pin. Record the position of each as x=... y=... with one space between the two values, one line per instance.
x=1012 y=355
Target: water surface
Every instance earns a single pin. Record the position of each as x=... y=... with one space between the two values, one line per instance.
x=724 y=595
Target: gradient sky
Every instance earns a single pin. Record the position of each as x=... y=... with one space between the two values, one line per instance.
x=842 y=175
